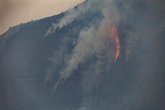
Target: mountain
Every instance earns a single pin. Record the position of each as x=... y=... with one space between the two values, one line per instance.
x=100 y=55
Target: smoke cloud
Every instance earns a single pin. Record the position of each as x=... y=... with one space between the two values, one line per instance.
x=134 y=81
x=92 y=41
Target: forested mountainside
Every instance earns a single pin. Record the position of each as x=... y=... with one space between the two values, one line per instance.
x=100 y=55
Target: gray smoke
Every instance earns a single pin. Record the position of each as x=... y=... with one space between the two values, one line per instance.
x=69 y=17
x=134 y=82
x=94 y=40
x=91 y=41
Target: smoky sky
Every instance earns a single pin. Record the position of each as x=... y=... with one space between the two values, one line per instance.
x=13 y=12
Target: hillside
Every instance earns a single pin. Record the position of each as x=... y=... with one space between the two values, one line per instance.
x=100 y=55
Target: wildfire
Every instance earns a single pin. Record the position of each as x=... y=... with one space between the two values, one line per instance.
x=112 y=29
x=115 y=37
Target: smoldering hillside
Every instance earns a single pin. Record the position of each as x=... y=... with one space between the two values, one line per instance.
x=100 y=55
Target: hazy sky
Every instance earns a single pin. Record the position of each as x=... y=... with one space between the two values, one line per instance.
x=13 y=12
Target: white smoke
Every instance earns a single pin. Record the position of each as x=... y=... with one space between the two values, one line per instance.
x=92 y=40
x=69 y=17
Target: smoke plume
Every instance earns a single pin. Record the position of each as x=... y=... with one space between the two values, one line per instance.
x=94 y=41
x=69 y=17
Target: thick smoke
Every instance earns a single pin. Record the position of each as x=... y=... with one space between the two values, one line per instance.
x=93 y=40
x=134 y=82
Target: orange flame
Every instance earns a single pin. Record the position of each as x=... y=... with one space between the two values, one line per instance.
x=115 y=37
x=112 y=29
